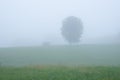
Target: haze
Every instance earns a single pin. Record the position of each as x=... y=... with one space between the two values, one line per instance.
x=32 y=22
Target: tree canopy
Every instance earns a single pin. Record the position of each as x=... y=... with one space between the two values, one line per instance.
x=72 y=29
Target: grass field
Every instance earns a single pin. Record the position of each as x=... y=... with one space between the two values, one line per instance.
x=64 y=55
x=59 y=73
x=84 y=62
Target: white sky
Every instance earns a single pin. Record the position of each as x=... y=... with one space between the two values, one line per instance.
x=30 y=21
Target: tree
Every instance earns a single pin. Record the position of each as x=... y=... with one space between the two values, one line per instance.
x=72 y=29
x=46 y=43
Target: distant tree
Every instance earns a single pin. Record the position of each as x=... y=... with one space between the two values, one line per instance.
x=72 y=29
x=46 y=44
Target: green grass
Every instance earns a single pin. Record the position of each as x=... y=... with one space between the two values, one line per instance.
x=64 y=55
x=84 y=62
x=59 y=73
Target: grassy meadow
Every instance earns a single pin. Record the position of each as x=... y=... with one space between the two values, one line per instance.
x=61 y=55
x=59 y=73
x=75 y=62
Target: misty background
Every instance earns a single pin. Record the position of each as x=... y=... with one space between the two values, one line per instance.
x=32 y=22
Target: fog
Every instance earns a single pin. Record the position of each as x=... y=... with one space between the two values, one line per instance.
x=32 y=22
